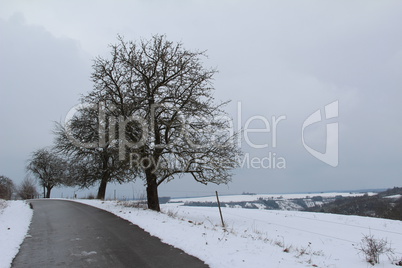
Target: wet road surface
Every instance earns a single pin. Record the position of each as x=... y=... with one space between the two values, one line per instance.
x=70 y=234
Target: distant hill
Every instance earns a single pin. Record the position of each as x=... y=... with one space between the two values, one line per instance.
x=268 y=201
x=386 y=204
x=381 y=204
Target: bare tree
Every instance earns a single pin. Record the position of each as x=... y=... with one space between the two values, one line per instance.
x=160 y=98
x=6 y=188
x=91 y=156
x=27 y=189
x=48 y=168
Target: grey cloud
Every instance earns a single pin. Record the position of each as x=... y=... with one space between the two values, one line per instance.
x=274 y=57
x=41 y=78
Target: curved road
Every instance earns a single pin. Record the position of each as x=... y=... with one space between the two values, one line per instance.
x=70 y=234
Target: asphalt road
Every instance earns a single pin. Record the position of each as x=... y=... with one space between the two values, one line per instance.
x=70 y=234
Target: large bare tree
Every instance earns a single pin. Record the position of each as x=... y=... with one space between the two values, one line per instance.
x=48 y=168
x=159 y=97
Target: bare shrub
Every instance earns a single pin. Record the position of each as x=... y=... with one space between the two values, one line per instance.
x=134 y=204
x=304 y=250
x=6 y=188
x=139 y=202
x=27 y=189
x=372 y=248
x=3 y=205
x=90 y=196
x=171 y=213
x=279 y=243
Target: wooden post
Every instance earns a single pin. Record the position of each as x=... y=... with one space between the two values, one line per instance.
x=220 y=211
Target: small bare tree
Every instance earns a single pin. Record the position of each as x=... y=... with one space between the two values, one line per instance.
x=27 y=189
x=48 y=168
x=91 y=156
x=6 y=188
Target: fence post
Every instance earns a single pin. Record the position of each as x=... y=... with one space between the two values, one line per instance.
x=220 y=211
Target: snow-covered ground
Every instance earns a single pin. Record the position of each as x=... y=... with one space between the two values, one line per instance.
x=15 y=217
x=263 y=238
x=252 y=237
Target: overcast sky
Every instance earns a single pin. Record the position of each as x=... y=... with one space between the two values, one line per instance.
x=275 y=58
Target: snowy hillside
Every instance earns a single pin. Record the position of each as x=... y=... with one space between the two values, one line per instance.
x=267 y=201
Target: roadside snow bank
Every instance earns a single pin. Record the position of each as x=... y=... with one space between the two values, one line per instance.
x=15 y=217
x=261 y=238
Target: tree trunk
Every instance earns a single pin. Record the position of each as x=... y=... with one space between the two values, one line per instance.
x=48 y=189
x=102 y=188
x=105 y=177
x=152 y=192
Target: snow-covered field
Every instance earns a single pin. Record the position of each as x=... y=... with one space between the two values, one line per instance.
x=15 y=217
x=263 y=238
